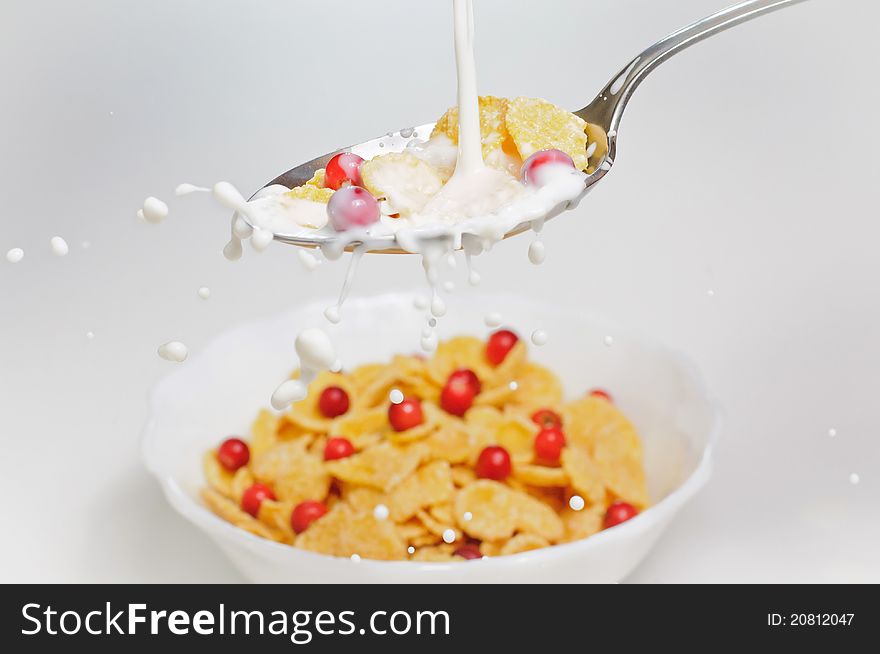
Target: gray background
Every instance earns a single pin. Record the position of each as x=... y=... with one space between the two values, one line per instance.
x=747 y=166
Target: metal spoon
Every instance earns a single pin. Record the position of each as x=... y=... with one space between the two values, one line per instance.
x=602 y=115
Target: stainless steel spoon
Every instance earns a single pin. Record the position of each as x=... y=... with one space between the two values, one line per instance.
x=602 y=115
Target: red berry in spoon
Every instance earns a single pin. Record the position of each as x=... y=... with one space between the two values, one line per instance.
x=233 y=454
x=468 y=552
x=535 y=169
x=333 y=402
x=546 y=418
x=457 y=395
x=499 y=344
x=344 y=168
x=338 y=448
x=549 y=443
x=406 y=415
x=253 y=497
x=351 y=207
x=619 y=512
x=493 y=463
x=305 y=513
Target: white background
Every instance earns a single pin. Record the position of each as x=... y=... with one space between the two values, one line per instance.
x=747 y=165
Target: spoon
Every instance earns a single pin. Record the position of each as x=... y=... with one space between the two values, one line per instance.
x=603 y=116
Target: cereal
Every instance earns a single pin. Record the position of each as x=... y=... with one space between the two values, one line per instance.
x=382 y=177
x=430 y=485
x=309 y=191
x=493 y=129
x=294 y=473
x=602 y=430
x=382 y=466
x=584 y=474
x=415 y=494
x=317 y=179
x=536 y=124
x=342 y=532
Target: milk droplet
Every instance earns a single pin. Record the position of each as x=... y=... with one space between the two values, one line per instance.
x=308 y=260
x=290 y=391
x=406 y=132
x=174 y=351
x=337 y=366
x=140 y=215
x=539 y=337
x=493 y=319
x=448 y=287
x=59 y=246
x=438 y=306
x=204 y=292
x=854 y=478
x=229 y=196
x=315 y=350
x=608 y=340
x=832 y=432
x=467 y=516
x=420 y=302
x=332 y=314
x=427 y=331
x=233 y=250
x=15 y=255
x=449 y=536
x=411 y=549
x=396 y=396
x=380 y=512
x=261 y=239
x=474 y=278
x=451 y=261
x=710 y=293
x=356 y=558
x=186 y=189
x=90 y=335
x=429 y=343
x=154 y=211
x=513 y=385
x=537 y=253
x=576 y=502
x=241 y=228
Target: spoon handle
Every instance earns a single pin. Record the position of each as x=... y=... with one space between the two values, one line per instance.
x=607 y=109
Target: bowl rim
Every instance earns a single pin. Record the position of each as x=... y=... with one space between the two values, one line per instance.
x=206 y=520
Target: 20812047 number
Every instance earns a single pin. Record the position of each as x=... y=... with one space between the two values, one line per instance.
x=810 y=619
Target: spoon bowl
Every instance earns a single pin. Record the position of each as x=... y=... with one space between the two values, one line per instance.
x=602 y=115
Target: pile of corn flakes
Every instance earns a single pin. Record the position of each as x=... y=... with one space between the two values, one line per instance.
x=470 y=453
x=510 y=130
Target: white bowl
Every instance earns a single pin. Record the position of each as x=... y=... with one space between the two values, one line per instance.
x=218 y=392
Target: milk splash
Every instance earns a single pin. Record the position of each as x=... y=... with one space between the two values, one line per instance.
x=316 y=353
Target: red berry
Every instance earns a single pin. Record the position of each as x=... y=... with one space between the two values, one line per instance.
x=500 y=343
x=468 y=552
x=344 y=168
x=305 y=513
x=546 y=418
x=406 y=415
x=351 y=207
x=468 y=377
x=233 y=454
x=534 y=170
x=333 y=401
x=549 y=443
x=493 y=463
x=337 y=448
x=458 y=394
x=598 y=392
x=253 y=497
x=619 y=512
